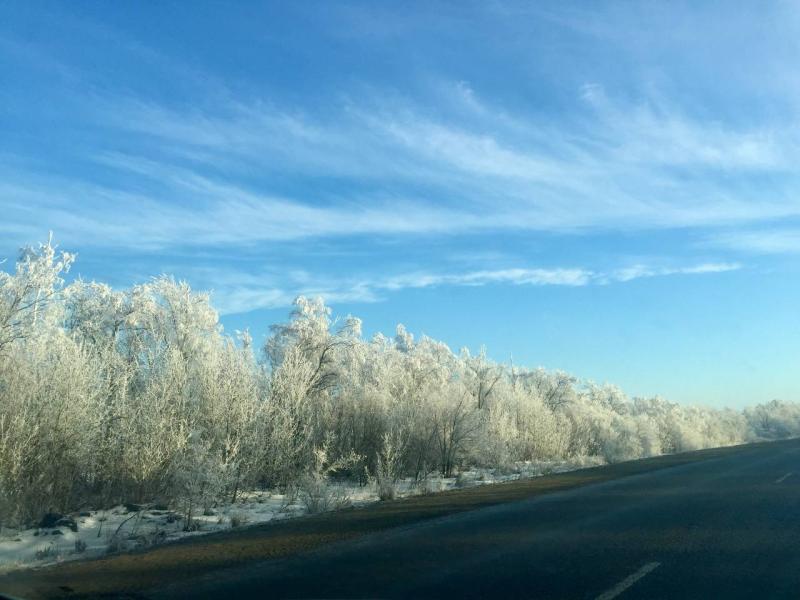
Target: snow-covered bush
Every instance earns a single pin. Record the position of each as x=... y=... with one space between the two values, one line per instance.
x=316 y=490
x=389 y=465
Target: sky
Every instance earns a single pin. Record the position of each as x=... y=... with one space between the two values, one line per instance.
x=607 y=188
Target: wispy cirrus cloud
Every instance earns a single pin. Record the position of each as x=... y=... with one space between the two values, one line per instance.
x=775 y=240
x=658 y=132
x=640 y=271
x=515 y=276
x=208 y=212
x=242 y=292
x=190 y=183
x=218 y=176
x=240 y=171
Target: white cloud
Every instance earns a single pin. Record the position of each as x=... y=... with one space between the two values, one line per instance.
x=239 y=292
x=517 y=276
x=639 y=271
x=209 y=213
x=656 y=132
x=766 y=241
x=617 y=165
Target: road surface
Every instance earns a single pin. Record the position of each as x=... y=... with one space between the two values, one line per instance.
x=726 y=526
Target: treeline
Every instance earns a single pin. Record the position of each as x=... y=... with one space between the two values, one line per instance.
x=138 y=395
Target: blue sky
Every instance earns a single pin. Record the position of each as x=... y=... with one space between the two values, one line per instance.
x=606 y=188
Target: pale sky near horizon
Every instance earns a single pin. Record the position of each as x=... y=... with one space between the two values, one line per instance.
x=608 y=188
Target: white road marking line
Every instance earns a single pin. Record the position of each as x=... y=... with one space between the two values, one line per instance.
x=629 y=581
x=782 y=479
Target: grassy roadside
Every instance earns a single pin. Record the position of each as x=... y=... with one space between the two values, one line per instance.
x=126 y=574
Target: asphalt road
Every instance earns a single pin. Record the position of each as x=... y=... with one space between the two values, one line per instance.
x=724 y=527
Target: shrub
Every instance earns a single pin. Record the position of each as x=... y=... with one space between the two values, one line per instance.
x=45 y=552
x=238 y=520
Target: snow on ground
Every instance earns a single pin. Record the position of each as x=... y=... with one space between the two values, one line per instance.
x=120 y=528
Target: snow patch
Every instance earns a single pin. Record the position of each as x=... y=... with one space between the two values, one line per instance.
x=118 y=529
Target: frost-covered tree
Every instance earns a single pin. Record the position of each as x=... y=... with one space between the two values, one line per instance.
x=138 y=395
x=28 y=296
